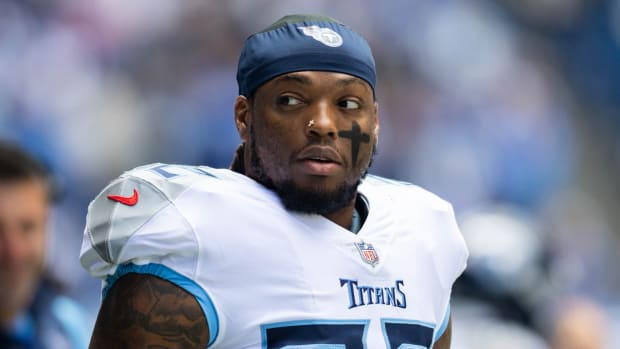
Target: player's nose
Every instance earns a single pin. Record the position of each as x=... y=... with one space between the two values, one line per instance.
x=323 y=121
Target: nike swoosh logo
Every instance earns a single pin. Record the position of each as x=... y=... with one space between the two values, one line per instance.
x=126 y=200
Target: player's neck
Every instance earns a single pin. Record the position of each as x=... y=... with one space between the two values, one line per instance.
x=344 y=216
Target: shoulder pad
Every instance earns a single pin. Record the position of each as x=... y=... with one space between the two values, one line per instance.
x=406 y=193
x=131 y=200
x=118 y=211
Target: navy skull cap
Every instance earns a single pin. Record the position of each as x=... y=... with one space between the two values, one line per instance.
x=303 y=42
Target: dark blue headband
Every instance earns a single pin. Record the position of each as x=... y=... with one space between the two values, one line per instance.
x=307 y=45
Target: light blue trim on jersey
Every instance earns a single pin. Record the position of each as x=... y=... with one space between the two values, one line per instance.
x=264 y=328
x=444 y=325
x=73 y=321
x=180 y=280
x=315 y=346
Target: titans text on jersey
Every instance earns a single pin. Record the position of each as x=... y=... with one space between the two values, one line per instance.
x=366 y=295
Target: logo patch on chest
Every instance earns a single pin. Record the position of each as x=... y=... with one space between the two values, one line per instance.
x=368 y=253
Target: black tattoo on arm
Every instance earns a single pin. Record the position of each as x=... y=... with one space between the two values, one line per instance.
x=144 y=311
x=356 y=138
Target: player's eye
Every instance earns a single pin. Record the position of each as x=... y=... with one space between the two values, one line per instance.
x=349 y=104
x=288 y=100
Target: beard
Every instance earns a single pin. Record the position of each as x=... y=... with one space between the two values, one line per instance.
x=314 y=201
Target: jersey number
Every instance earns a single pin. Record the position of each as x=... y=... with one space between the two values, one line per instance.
x=344 y=335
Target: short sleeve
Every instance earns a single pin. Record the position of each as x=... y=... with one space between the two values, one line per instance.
x=133 y=226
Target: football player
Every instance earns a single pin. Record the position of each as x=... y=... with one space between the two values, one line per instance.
x=295 y=245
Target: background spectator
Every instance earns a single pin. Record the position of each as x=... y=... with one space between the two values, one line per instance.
x=34 y=313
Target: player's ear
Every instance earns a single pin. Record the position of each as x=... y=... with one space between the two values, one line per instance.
x=242 y=111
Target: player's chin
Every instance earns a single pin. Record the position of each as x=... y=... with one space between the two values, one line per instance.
x=317 y=197
x=319 y=183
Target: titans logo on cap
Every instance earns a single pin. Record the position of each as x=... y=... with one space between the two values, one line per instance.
x=322 y=35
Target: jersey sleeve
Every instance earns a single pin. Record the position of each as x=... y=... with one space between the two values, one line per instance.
x=133 y=226
x=450 y=255
x=451 y=251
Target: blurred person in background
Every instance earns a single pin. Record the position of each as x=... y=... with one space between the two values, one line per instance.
x=294 y=246
x=34 y=314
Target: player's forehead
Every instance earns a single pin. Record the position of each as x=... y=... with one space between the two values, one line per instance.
x=310 y=79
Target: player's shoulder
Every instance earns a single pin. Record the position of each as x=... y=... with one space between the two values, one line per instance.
x=170 y=180
x=133 y=199
x=157 y=182
x=161 y=173
x=403 y=193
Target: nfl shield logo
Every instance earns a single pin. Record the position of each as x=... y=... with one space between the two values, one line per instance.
x=368 y=253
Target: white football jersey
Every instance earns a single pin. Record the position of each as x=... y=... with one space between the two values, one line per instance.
x=268 y=278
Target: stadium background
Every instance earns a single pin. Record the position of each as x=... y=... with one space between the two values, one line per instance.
x=509 y=109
